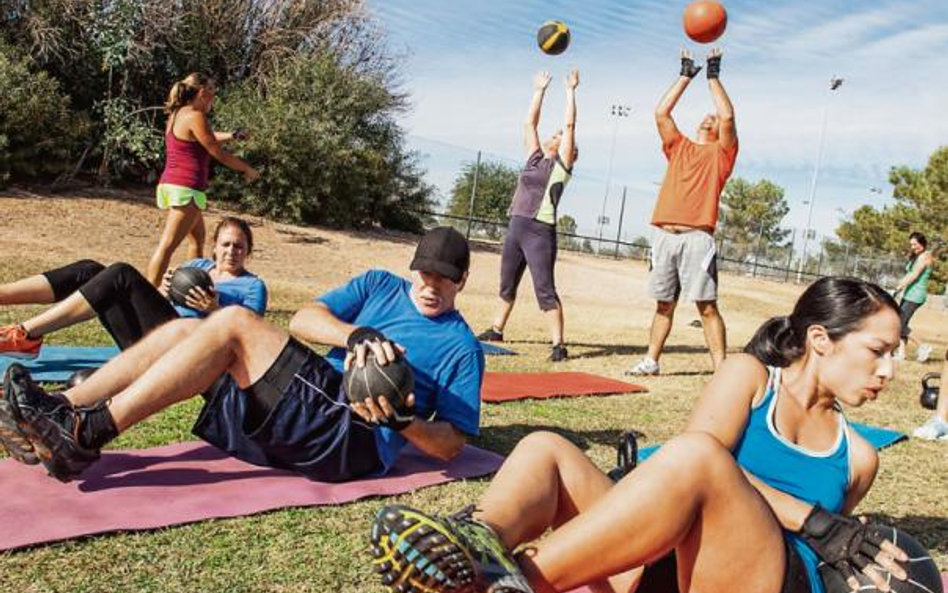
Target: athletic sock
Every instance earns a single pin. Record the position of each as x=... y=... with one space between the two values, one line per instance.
x=96 y=427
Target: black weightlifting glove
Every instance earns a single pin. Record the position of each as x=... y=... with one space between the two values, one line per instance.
x=714 y=67
x=364 y=334
x=403 y=417
x=842 y=542
x=688 y=68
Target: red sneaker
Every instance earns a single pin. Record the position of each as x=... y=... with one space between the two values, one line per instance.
x=16 y=344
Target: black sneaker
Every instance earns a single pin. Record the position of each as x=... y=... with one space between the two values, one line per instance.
x=51 y=423
x=13 y=436
x=491 y=335
x=558 y=353
x=417 y=553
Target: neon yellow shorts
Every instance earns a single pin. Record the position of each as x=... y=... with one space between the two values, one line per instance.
x=168 y=195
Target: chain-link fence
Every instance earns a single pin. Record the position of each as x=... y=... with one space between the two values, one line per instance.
x=621 y=232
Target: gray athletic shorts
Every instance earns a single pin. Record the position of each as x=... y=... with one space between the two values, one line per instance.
x=684 y=265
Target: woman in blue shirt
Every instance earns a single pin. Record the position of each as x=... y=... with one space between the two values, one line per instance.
x=127 y=304
x=751 y=497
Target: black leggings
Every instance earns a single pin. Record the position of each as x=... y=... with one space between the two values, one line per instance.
x=127 y=305
x=906 y=310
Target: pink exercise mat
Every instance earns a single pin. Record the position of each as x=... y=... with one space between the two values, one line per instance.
x=188 y=482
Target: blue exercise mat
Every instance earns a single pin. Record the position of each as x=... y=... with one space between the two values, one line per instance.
x=55 y=364
x=493 y=350
x=880 y=438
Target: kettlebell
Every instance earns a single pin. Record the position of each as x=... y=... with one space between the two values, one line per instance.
x=929 y=396
x=627 y=456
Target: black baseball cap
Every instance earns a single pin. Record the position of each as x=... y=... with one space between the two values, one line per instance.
x=445 y=251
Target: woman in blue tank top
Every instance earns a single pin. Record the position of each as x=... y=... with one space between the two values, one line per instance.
x=751 y=497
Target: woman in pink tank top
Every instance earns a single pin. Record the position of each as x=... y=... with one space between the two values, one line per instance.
x=189 y=145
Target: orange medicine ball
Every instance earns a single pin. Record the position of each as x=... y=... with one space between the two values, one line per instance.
x=704 y=20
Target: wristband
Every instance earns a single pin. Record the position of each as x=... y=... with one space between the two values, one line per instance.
x=688 y=68
x=714 y=67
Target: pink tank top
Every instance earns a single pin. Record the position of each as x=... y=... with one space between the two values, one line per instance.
x=186 y=163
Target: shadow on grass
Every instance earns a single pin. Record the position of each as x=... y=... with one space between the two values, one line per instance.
x=931 y=532
x=502 y=439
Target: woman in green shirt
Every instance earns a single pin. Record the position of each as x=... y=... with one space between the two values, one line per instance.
x=914 y=289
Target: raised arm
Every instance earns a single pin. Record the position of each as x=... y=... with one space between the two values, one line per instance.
x=663 y=112
x=531 y=138
x=205 y=135
x=722 y=103
x=569 y=120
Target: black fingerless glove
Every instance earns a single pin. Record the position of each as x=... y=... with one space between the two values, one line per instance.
x=714 y=67
x=688 y=68
x=364 y=334
x=842 y=542
x=403 y=417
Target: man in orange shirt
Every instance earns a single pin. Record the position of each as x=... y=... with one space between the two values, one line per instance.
x=684 y=258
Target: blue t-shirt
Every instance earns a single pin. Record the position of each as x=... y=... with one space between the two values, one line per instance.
x=443 y=352
x=246 y=290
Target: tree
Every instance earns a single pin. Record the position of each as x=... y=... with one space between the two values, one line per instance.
x=496 y=183
x=752 y=213
x=921 y=204
x=313 y=81
x=566 y=224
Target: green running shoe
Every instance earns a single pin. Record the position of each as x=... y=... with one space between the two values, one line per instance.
x=417 y=553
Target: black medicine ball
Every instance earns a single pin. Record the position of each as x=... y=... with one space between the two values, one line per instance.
x=184 y=279
x=553 y=37
x=78 y=377
x=923 y=575
x=394 y=380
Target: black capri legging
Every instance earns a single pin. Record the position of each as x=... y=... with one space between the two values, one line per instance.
x=127 y=305
x=529 y=244
x=906 y=310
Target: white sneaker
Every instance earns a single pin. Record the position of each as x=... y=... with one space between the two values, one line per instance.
x=924 y=351
x=646 y=366
x=934 y=429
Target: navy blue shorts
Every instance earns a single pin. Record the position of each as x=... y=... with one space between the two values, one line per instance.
x=309 y=429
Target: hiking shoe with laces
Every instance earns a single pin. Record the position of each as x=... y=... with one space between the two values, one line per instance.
x=51 y=424
x=491 y=335
x=16 y=344
x=12 y=438
x=934 y=429
x=417 y=553
x=558 y=353
x=646 y=366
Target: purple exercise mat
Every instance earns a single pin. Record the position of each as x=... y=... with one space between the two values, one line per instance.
x=188 y=482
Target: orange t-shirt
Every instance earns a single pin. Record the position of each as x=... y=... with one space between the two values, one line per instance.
x=693 y=182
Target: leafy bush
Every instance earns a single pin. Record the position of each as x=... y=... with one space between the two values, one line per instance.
x=326 y=142
x=39 y=134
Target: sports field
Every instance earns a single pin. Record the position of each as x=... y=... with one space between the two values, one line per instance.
x=324 y=549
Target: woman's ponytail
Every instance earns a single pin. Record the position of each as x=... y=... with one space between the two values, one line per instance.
x=776 y=343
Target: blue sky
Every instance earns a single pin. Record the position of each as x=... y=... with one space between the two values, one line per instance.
x=467 y=67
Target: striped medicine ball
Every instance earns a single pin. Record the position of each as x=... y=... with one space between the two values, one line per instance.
x=553 y=37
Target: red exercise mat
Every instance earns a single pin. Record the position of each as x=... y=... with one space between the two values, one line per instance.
x=193 y=482
x=504 y=387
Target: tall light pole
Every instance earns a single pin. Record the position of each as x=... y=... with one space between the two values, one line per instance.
x=834 y=84
x=618 y=112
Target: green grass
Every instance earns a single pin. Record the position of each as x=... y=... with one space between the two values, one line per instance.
x=324 y=549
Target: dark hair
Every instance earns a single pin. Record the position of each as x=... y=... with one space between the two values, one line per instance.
x=919 y=238
x=240 y=224
x=837 y=303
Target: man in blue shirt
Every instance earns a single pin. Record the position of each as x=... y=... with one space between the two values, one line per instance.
x=271 y=400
